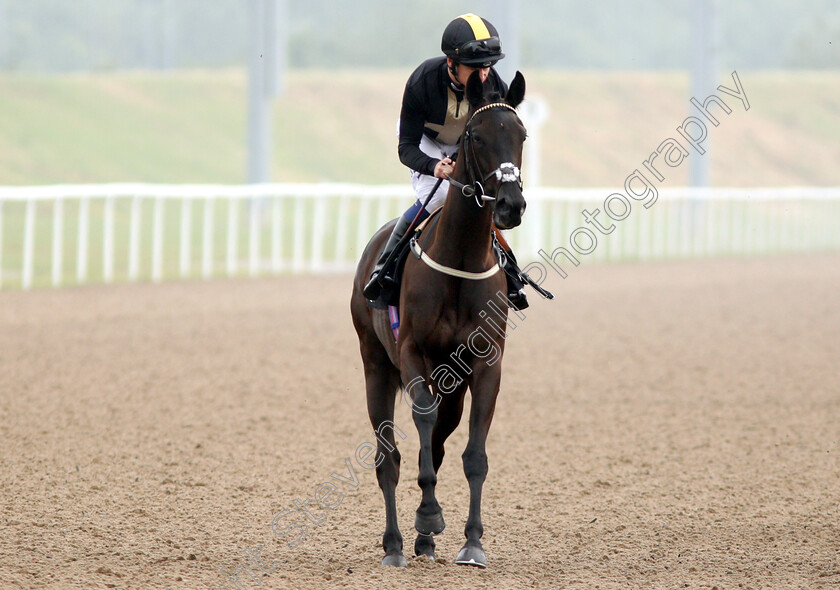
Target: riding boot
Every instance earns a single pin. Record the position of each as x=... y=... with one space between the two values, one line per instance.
x=374 y=285
x=515 y=285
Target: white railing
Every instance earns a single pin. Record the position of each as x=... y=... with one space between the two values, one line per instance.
x=131 y=232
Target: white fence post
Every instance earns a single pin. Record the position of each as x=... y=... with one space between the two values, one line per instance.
x=108 y=241
x=157 y=241
x=58 y=242
x=134 y=239
x=276 y=234
x=363 y=227
x=253 y=237
x=207 y=239
x=186 y=238
x=232 y=237
x=318 y=224
x=82 y=248
x=341 y=231
x=297 y=232
x=28 y=245
x=381 y=211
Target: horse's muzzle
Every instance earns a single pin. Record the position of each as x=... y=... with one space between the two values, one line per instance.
x=509 y=210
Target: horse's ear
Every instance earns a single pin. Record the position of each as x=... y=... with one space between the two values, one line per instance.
x=516 y=92
x=475 y=90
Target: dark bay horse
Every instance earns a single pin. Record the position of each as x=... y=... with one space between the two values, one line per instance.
x=446 y=343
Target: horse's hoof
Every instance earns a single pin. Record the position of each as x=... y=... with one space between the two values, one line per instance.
x=425 y=545
x=472 y=556
x=429 y=525
x=396 y=560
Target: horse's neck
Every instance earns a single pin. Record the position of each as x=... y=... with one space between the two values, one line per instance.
x=463 y=233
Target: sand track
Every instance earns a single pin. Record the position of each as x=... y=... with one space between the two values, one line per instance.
x=660 y=426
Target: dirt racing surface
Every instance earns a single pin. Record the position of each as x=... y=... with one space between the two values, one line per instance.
x=668 y=425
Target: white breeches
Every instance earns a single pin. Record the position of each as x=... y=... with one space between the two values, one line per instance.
x=423 y=183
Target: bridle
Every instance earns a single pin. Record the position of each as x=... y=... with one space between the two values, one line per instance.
x=506 y=172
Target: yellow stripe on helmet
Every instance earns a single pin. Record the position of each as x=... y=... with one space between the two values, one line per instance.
x=478 y=27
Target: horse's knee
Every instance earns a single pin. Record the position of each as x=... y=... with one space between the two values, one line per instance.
x=475 y=464
x=424 y=413
x=424 y=406
x=426 y=421
x=388 y=469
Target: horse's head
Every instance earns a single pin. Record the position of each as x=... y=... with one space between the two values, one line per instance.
x=492 y=146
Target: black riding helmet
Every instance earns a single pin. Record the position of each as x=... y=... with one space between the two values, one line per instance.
x=472 y=41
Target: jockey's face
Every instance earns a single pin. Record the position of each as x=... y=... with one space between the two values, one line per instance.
x=465 y=71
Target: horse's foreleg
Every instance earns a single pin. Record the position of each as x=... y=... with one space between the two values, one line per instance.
x=381 y=384
x=449 y=415
x=429 y=517
x=485 y=389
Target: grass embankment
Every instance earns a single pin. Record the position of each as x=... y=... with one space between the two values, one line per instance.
x=340 y=127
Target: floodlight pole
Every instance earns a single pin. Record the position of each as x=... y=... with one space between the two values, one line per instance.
x=169 y=35
x=703 y=76
x=504 y=14
x=267 y=62
x=5 y=44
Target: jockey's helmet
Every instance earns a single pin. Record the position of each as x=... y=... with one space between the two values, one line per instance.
x=472 y=41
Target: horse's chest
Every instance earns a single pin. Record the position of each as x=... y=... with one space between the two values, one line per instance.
x=448 y=332
x=443 y=328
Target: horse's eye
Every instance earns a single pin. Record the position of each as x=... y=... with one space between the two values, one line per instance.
x=477 y=139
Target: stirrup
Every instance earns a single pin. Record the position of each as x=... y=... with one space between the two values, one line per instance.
x=517 y=297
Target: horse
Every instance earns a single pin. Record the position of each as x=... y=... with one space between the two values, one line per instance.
x=445 y=292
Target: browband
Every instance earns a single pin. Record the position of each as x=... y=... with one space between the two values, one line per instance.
x=489 y=106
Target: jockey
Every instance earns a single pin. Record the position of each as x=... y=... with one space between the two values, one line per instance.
x=432 y=119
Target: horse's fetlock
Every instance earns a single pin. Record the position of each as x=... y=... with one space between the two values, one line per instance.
x=392 y=540
x=474 y=533
x=425 y=481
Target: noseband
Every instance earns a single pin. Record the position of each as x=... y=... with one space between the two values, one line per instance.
x=506 y=172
